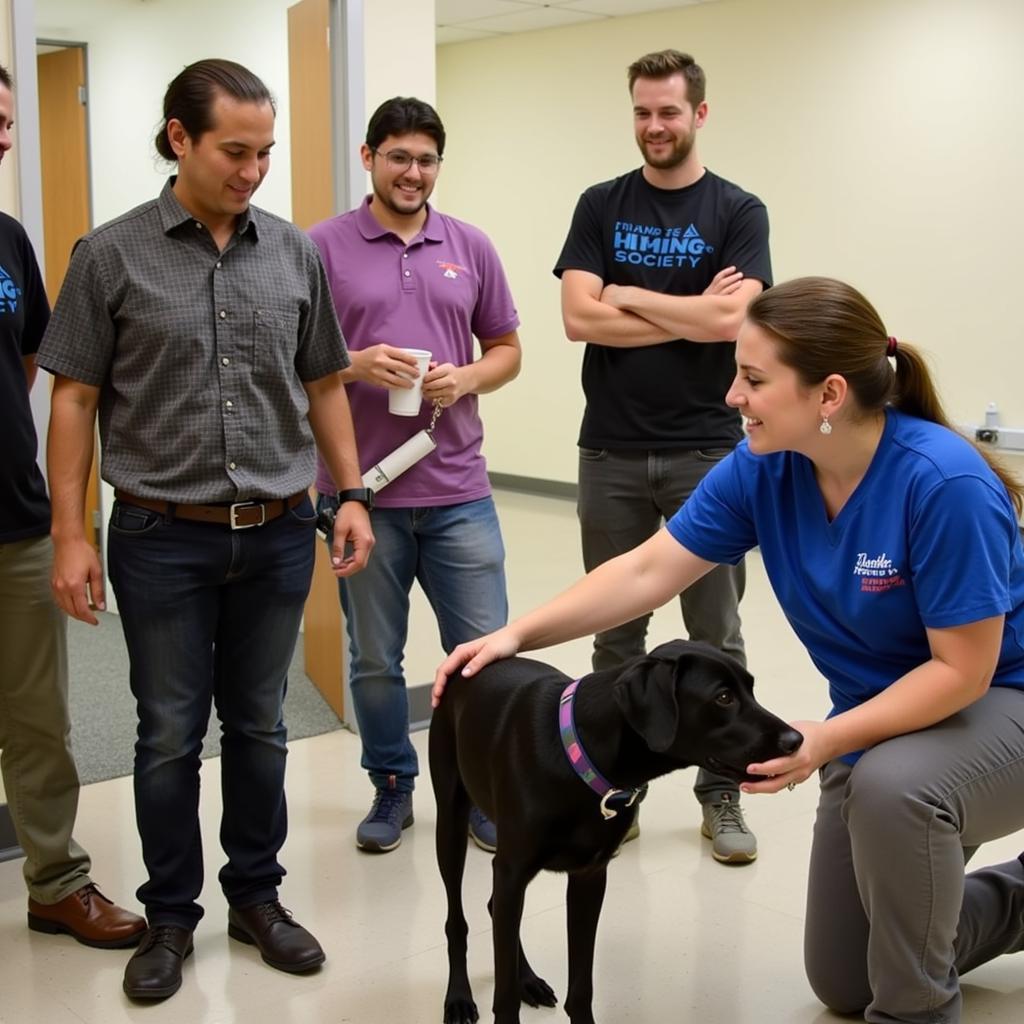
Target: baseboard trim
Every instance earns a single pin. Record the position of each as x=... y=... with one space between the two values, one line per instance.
x=533 y=485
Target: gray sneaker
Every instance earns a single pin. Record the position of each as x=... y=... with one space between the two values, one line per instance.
x=731 y=841
x=381 y=830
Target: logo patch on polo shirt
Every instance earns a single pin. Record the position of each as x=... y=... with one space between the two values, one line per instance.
x=451 y=270
x=9 y=293
x=877 y=573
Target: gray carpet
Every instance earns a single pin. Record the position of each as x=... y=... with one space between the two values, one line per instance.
x=103 y=709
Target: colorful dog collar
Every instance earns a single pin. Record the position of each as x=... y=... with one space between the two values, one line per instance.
x=612 y=798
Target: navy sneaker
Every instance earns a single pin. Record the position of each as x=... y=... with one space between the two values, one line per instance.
x=482 y=830
x=381 y=830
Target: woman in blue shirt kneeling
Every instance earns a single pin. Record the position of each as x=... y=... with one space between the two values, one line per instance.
x=893 y=546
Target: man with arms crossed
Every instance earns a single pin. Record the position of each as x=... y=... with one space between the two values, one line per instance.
x=201 y=329
x=404 y=275
x=657 y=271
x=40 y=778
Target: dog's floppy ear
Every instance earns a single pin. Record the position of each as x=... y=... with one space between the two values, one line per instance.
x=645 y=692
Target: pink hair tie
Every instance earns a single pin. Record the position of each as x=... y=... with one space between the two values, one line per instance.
x=890 y=349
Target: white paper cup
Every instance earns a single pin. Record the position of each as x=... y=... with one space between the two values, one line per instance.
x=408 y=401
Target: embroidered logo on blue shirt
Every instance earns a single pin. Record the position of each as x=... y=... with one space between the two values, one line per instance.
x=877 y=573
x=9 y=293
x=652 y=246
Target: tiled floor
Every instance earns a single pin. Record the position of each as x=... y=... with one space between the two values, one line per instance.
x=682 y=938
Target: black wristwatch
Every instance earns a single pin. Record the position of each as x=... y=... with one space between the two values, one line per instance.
x=360 y=494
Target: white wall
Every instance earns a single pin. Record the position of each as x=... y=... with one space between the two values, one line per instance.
x=134 y=50
x=9 y=171
x=882 y=134
x=400 y=52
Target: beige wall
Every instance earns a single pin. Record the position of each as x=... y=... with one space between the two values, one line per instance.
x=399 y=41
x=882 y=134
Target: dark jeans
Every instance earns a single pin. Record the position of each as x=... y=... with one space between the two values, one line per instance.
x=209 y=615
x=624 y=497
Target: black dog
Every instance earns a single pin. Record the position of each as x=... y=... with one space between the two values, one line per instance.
x=496 y=742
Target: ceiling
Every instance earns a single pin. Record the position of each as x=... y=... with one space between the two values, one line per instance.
x=457 y=20
x=462 y=20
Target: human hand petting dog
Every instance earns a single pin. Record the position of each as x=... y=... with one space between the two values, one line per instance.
x=787 y=772
x=472 y=657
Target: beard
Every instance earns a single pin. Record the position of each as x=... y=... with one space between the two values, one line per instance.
x=398 y=202
x=677 y=155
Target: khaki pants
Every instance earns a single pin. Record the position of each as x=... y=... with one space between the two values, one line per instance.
x=40 y=778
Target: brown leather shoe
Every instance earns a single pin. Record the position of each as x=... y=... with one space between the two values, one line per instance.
x=88 y=917
x=283 y=943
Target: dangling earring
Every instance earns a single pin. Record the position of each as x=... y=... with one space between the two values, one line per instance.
x=826 y=427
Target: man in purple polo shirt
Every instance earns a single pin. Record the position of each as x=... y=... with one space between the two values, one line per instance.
x=405 y=276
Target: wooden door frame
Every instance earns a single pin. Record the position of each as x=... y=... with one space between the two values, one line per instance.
x=324 y=639
x=93 y=524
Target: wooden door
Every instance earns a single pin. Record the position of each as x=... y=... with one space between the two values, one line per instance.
x=64 y=164
x=309 y=84
x=309 y=90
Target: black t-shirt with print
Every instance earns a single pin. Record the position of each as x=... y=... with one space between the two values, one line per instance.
x=672 y=241
x=24 y=312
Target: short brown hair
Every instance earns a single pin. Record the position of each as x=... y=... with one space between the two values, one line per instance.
x=665 y=63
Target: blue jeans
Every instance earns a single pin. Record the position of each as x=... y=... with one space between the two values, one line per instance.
x=457 y=555
x=624 y=497
x=210 y=615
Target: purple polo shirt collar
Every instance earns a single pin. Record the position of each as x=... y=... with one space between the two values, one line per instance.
x=371 y=228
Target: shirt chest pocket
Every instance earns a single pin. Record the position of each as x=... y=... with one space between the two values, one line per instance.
x=275 y=336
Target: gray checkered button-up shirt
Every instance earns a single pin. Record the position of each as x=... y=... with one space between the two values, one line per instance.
x=200 y=355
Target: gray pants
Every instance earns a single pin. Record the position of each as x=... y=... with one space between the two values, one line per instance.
x=892 y=921
x=624 y=497
x=39 y=772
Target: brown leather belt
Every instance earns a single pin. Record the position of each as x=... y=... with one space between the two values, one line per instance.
x=239 y=516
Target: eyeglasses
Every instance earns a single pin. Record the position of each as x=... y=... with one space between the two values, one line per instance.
x=399 y=160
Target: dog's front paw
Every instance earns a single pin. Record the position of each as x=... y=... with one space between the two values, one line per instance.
x=460 y=1010
x=536 y=991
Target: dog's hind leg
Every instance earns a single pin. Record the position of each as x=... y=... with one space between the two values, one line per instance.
x=510 y=881
x=450 y=840
x=584 y=897
x=533 y=990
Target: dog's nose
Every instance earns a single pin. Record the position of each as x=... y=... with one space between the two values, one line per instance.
x=790 y=740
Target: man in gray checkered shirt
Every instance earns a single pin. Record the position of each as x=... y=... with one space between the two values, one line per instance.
x=202 y=331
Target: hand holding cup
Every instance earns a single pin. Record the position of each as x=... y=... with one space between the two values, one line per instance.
x=406 y=401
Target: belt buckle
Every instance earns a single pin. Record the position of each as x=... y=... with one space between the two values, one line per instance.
x=233 y=514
